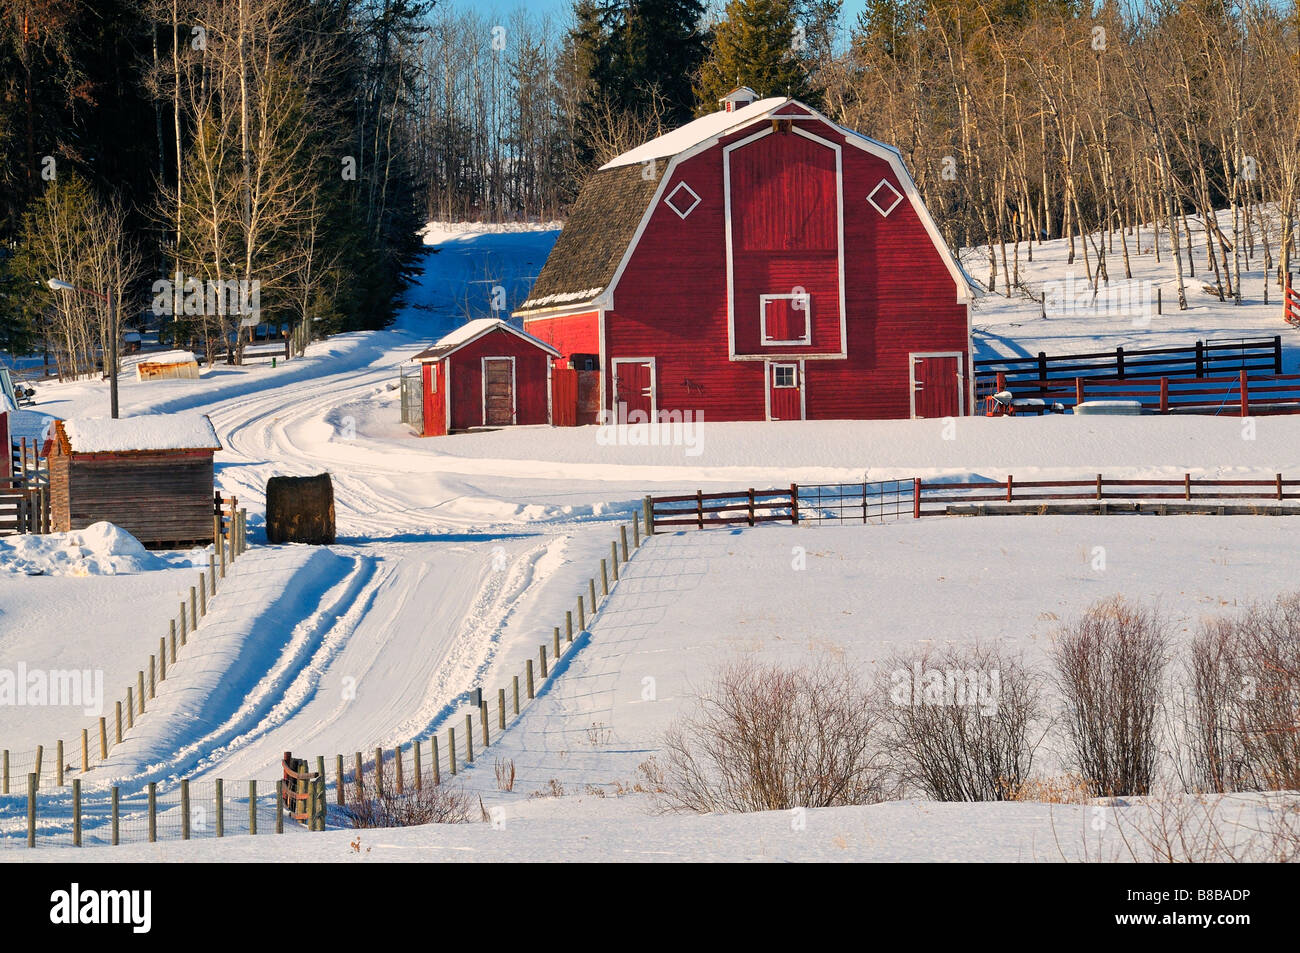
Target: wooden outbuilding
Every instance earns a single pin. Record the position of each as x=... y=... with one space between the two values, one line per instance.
x=6 y=441
x=759 y=263
x=487 y=373
x=151 y=475
x=168 y=365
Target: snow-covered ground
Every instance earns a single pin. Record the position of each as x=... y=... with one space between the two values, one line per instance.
x=456 y=555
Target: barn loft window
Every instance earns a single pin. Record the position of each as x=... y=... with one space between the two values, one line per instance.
x=786 y=318
x=682 y=204
x=785 y=376
x=884 y=197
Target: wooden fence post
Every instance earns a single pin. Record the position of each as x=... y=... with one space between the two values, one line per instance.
x=437 y=770
x=1245 y=394
x=416 y=766
x=528 y=672
x=568 y=625
x=397 y=757
x=203 y=596
x=1277 y=351
x=212 y=575
x=116 y=813
x=338 y=780
x=4 y=784
x=40 y=751
x=194 y=608
x=185 y=808
x=31 y=810
x=794 y=504
x=636 y=530
x=555 y=642
x=582 y=617
x=279 y=807
x=130 y=707
x=58 y=750
x=469 y=739
x=184 y=630
x=117 y=736
x=162 y=659
x=916 y=498
x=359 y=777
x=103 y=738
x=604 y=577
x=76 y=812
x=379 y=771
x=541 y=653
x=1099 y=486
x=153 y=682
x=153 y=811
x=516 y=688
x=501 y=698
x=699 y=507
x=591 y=593
x=1164 y=395
x=483 y=721
x=1277 y=481
x=85 y=750
x=649 y=508
x=221 y=809
x=751 y=506
x=451 y=749
x=1187 y=486
x=252 y=807
x=1200 y=358
x=1010 y=479
x=622 y=536
x=1078 y=391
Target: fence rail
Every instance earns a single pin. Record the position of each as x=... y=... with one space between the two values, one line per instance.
x=1029 y=376
x=1239 y=394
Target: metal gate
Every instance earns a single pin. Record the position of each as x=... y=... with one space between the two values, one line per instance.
x=412 y=384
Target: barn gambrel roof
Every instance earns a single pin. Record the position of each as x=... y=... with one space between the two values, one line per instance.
x=616 y=202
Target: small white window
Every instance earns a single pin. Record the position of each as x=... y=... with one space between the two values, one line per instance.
x=785 y=376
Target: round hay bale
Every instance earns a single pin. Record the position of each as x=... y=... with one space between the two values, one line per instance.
x=300 y=510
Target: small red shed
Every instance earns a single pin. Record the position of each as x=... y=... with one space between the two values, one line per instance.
x=485 y=374
x=759 y=263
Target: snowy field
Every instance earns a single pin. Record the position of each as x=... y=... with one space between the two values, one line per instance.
x=456 y=555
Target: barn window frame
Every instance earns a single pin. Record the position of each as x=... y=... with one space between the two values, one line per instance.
x=668 y=199
x=779 y=369
x=764 y=340
x=885 y=184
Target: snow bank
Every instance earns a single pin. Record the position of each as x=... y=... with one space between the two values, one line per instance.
x=435 y=233
x=149 y=432
x=100 y=549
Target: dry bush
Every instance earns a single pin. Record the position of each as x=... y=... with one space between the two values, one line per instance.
x=1056 y=789
x=430 y=804
x=962 y=723
x=1243 y=683
x=1109 y=668
x=765 y=737
x=505 y=773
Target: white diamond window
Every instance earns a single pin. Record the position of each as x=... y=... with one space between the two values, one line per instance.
x=682 y=204
x=884 y=197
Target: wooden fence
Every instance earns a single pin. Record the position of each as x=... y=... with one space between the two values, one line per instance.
x=1239 y=394
x=1033 y=376
x=25 y=496
x=881 y=500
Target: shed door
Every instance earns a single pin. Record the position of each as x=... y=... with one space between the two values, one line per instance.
x=784 y=391
x=498 y=391
x=634 y=389
x=936 y=385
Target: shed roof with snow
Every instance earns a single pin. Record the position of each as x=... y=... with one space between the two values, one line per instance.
x=471 y=332
x=150 y=433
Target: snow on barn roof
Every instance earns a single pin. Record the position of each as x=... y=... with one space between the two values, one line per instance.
x=150 y=432
x=472 y=331
x=614 y=202
x=694 y=132
x=162 y=357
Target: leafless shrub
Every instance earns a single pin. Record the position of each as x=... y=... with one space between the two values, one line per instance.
x=1243 y=679
x=505 y=772
x=1109 y=668
x=1056 y=789
x=764 y=737
x=429 y=804
x=552 y=788
x=962 y=723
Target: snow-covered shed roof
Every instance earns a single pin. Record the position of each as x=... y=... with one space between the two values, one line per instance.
x=614 y=202
x=468 y=333
x=144 y=434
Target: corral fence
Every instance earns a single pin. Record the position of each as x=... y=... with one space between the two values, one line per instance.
x=1240 y=395
x=881 y=501
x=1054 y=377
x=411 y=382
x=25 y=496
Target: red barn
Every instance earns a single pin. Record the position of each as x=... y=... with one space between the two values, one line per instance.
x=759 y=263
x=485 y=374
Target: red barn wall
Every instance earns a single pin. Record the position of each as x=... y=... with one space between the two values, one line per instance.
x=671 y=301
x=435 y=401
x=6 y=452
x=531 y=369
x=568 y=333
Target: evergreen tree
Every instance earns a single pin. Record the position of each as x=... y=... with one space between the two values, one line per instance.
x=758 y=45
